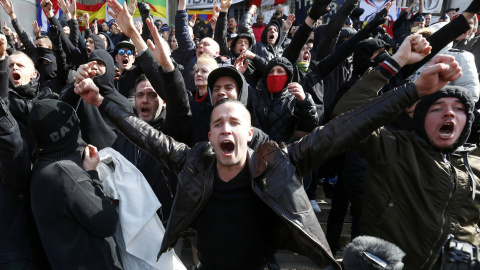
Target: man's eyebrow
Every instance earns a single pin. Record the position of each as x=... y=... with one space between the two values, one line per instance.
x=227 y=84
x=217 y=120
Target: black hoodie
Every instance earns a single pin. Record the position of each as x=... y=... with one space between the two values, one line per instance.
x=281 y=114
x=264 y=49
x=76 y=220
x=96 y=129
x=47 y=67
x=201 y=111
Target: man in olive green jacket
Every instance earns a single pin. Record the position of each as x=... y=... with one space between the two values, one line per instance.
x=418 y=187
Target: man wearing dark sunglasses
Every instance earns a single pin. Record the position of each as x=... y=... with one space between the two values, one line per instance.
x=125 y=57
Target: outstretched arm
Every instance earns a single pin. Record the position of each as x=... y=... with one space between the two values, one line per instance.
x=347 y=129
x=30 y=48
x=413 y=49
x=220 y=35
x=327 y=43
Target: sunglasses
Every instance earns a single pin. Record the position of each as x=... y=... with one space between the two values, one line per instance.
x=122 y=52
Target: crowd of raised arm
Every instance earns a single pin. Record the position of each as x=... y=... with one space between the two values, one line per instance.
x=230 y=125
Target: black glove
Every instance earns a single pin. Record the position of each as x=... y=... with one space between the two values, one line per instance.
x=54 y=34
x=144 y=9
x=474 y=7
x=318 y=9
x=378 y=20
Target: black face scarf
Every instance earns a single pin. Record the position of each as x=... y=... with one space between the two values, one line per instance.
x=105 y=81
x=47 y=71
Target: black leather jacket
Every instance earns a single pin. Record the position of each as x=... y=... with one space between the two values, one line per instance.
x=275 y=170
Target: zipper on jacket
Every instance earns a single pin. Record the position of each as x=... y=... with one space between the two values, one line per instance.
x=167 y=183
x=206 y=194
x=453 y=177
x=137 y=155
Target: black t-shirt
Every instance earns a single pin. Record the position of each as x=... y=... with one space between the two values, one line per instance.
x=233 y=226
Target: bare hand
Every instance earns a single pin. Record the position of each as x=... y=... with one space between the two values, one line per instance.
x=413 y=49
x=122 y=17
x=85 y=71
x=213 y=22
x=444 y=69
x=191 y=22
x=62 y=4
x=132 y=6
x=91 y=158
x=289 y=22
x=8 y=7
x=47 y=7
x=86 y=19
x=95 y=27
x=216 y=9
x=116 y=26
x=72 y=9
x=388 y=6
x=139 y=27
x=5 y=29
x=296 y=90
x=225 y=5
x=161 y=50
x=117 y=74
x=249 y=54
x=36 y=29
x=240 y=65
x=89 y=92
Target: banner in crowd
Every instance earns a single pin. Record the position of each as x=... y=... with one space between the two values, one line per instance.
x=432 y=6
x=204 y=14
x=158 y=8
x=372 y=7
x=96 y=11
x=262 y=3
x=42 y=19
x=205 y=4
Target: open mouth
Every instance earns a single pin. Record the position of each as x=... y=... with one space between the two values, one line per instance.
x=89 y=51
x=144 y=111
x=447 y=129
x=227 y=147
x=16 y=76
x=125 y=61
x=305 y=58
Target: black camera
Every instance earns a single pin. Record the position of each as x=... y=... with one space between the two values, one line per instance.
x=277 y=13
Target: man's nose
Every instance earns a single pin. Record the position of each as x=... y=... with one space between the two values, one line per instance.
x=449 y=113
x=227 y=129
x=222 y=93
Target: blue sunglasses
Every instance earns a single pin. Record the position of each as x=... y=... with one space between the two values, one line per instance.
x=122 y=52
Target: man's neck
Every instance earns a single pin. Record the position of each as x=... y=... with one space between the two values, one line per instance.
x=227 y=173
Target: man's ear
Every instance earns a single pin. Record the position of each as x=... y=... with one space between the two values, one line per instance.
x=250 y=134
x=34 y=74
x=209 y=133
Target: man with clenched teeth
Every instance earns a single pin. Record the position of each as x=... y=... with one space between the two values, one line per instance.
x=239 y=199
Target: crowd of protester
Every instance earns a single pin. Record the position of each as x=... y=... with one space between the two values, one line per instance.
x=233 y=122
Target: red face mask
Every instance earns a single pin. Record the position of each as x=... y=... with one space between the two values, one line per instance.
x=276 y=83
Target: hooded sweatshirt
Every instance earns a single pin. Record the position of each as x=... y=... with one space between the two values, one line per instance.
x=201 y=111
x=75 y=219
x=281 y=114
x=96 y=129
x=266 y=50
